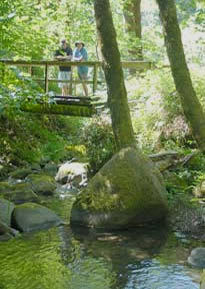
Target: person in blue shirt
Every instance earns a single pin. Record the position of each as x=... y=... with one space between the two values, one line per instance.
x=80 y=54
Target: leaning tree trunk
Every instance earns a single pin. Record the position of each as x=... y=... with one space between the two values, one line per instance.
x=117 y=95
x=132 y=14
x=191 y=106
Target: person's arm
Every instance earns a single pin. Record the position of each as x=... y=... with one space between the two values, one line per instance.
x=69 y=54
x=77 y=57
x=68 y=57
x=84 y=55
x=58 y=56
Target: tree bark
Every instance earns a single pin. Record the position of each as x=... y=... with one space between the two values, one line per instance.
x=117 y=95
x=132 y=14
x=191 y=106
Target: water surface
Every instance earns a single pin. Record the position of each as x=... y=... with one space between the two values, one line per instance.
x=65 y=258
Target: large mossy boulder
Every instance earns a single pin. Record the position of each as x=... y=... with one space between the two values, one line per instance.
x=128 y=191
x=32 y=217
x=6 y=209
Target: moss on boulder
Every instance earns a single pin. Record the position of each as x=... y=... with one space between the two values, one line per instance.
x=42 y=184
x=31 y=217
x=50 y=169
x=5 y=186
x=21 y=173
x=20 y=193
x=128 y=191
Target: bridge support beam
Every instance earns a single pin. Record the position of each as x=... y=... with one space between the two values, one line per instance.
x=72 y=110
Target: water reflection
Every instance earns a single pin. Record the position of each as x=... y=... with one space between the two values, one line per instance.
x=141 y=259
x=65 y=258
x=150 y=274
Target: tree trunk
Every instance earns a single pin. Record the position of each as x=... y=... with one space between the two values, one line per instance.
x=191 y=106
x=132 y=14
x=117 y=95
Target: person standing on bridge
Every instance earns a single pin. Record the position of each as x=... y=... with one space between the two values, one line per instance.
x=80 y=54
x=64 y=53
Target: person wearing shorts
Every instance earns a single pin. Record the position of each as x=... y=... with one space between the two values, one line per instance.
x=64 y=53
x=80 y=54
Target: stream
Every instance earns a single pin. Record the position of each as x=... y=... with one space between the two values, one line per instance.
x=75 y=258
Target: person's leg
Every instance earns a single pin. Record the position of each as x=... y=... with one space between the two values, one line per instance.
x=65 y=75
x=65 y=92
x=85 y=88
x=83 y=78
x=62 y=91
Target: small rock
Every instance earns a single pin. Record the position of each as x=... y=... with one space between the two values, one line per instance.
x=6 y=209
x=197 y=257
x=74 y=173
x=4 y=229
x=21 y=173
x=32 y=217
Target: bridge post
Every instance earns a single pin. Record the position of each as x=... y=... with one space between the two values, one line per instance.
x=46 y=78
x=95 y=77
x=71 y=82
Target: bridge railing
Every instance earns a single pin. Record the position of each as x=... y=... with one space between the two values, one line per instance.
x=46 y=64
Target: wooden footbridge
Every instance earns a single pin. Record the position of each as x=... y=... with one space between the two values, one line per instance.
x=66 y=105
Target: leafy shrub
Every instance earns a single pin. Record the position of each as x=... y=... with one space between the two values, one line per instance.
x=99 y=141
x=156 y=111
x=27 y=137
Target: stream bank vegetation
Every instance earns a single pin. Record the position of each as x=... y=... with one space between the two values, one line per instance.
x=160 y=127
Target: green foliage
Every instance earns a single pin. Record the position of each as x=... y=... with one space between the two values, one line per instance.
x=197 y=168
x=17 y=28
x=185 y=9
x=157 y=115
x=97 y=136
x=41 y=141
x=46 y=136
x=182 y=180
x=178 y=182
x=156 y=111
